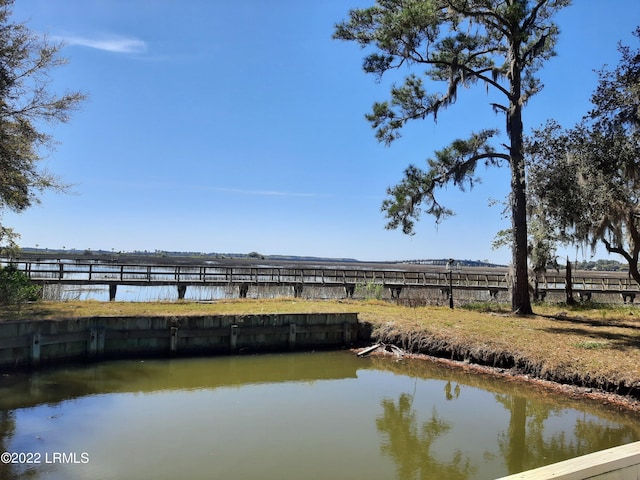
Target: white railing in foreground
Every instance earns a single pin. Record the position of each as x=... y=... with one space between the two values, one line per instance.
x=617 y=463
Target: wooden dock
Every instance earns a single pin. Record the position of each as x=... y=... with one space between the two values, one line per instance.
x=242 y=274
x=617 y=463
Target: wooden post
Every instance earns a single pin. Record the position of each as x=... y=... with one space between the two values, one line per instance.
x=173 y=340
x=346 y=330
x=395 y=292
x=92 y=343
x=234 y=338
x=35 y=349
x=113 y=288
x=101 y=333
x=182 y=289
x=349 y=290
x=292 y=336
x=630 y=296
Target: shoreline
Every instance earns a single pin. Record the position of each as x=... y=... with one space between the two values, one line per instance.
x=585 y=350
x=622 y=402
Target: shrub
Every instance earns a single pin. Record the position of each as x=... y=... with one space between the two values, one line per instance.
x=370 y=290
x=16 y=288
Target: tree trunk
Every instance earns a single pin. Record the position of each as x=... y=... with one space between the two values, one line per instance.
x=520 y=299
x=569 y=285
x=517 y=434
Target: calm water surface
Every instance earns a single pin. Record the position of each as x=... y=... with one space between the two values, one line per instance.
x=312 y=416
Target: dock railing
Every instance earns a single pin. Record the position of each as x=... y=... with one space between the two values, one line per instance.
x=392 y=276
x=618 y=463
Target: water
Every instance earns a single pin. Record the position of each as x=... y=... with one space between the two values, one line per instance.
x=291 y=416
x=169 y=293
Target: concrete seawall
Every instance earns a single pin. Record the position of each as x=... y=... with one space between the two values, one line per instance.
x=41 y=342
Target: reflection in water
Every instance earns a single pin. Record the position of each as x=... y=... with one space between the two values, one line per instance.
x=410 y=446
x=7 y=429
x=539 y=428
x=531 y=434
x=312 y=416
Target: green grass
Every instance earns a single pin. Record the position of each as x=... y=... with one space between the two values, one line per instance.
x=591 y=345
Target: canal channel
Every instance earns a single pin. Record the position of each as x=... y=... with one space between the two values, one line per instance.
x=326 y=415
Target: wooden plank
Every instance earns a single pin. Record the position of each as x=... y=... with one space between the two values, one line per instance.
x=15 y=342
x=63 y=338
x=368 y=350
x=133 y=334
x=615 y=463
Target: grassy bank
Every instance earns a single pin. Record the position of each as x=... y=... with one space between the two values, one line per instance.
x=590 y=347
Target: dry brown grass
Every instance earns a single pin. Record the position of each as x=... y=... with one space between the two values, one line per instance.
x=597 y=348
x=57 y=310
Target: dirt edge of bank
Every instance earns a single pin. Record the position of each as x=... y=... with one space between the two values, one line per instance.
x=506 y=365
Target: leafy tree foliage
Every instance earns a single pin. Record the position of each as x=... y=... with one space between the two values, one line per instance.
x=541 y=246
x=26 y=104
x=16 y=288
x=587 y=178
x=498 y=43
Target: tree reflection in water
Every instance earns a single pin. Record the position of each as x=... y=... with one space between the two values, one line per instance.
x=410 y=445
x=7 y=432
x=527 y=440
x=539 y=428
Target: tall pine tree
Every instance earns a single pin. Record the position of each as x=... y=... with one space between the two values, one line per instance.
x=498 y=43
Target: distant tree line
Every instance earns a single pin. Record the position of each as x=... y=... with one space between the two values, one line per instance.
x=602 y=265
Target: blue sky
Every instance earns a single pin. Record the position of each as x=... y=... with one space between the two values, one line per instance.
x=221 y=126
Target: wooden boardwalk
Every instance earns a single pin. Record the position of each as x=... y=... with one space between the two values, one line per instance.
x=392 y=276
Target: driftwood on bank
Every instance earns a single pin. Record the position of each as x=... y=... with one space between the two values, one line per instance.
x=368 y=350
x=398 y=352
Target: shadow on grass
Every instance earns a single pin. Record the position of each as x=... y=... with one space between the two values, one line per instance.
x=31 y=311
x=616 y=340
x=594 y=322
x=487 y=307
x=598 y=329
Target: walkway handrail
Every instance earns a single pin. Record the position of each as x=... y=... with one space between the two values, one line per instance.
x=433 y=276
x=617 y=463
x=93 y=272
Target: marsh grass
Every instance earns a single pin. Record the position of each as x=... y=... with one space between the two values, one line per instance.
x=587 y=345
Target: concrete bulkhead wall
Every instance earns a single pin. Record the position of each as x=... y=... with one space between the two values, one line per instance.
x=617 y=463
x=35 y=343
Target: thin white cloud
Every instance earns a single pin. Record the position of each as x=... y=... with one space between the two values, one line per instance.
x=269 y=193
x=111 y=43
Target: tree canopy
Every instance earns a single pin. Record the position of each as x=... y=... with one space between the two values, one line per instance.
x=26 y=105
x=587 y=178
x=500 y=44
